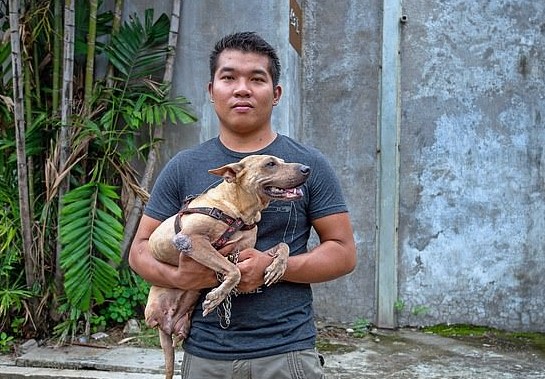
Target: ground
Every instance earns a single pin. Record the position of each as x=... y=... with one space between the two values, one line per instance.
x=357 y=351
x=338 y=338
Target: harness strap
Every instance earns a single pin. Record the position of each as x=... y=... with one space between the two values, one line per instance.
x=233 y=224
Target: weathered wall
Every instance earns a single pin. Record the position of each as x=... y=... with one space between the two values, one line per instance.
x=340 y=92
x=472 y=223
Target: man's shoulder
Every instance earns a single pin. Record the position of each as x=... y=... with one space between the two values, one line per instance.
x=201 y=148
x=289 y=147
x=197 y=155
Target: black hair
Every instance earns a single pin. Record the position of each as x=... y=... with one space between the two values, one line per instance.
x=249 y=42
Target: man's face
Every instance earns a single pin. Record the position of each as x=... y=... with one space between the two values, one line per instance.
x=243 y=92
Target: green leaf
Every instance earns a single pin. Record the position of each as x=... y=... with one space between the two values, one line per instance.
x=91 y=232
x=138 y=51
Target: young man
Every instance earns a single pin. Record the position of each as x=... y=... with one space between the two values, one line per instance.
x=271 y=333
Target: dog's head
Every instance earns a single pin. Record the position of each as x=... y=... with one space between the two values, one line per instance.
x=267 y=176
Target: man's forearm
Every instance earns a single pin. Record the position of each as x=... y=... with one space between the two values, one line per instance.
x=151 y=270
x=330 y=260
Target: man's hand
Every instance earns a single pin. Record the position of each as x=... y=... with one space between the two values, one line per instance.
x=252 y=264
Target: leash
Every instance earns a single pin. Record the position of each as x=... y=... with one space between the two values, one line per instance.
x=224 y=310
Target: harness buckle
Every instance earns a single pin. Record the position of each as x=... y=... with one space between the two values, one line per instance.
x=215 y=213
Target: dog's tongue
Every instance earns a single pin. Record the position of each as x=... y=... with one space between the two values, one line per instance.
x=294 y=192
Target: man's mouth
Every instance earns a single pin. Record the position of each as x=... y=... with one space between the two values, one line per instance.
x=242 y=106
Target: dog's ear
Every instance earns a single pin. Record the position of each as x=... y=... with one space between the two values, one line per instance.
x=228 y=172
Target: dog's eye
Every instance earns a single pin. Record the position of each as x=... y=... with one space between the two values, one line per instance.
x=271 y=164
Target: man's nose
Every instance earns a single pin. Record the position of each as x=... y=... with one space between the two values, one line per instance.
x=242 y=88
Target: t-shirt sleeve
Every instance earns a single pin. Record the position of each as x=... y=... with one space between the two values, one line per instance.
x=165 y=196
x=326 y=196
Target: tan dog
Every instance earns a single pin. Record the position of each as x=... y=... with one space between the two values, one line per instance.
x=247 y=189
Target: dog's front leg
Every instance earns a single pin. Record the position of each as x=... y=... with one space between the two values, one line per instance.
x=201 y=250
x=275 y=271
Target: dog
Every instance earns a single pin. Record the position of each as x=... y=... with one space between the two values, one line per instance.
x=225 y=215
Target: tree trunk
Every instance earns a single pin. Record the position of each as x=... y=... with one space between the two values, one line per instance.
x=57 y=57
x=116 y=24
x=91 y=44
x=66 y=113
x=22 y=173
x=136 y=212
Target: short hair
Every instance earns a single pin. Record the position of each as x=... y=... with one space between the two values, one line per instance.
x=249 y=42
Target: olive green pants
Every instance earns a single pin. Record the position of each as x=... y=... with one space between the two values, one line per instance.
x=305 y=364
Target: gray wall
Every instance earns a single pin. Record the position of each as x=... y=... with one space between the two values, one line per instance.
x=471 y=192
x=472 y=224
x=340 y=92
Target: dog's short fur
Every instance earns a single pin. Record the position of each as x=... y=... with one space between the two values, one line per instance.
x=247 y=189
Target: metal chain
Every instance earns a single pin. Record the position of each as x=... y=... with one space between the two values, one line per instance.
x=224 y=309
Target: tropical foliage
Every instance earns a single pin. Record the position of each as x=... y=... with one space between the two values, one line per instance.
x=95 y=99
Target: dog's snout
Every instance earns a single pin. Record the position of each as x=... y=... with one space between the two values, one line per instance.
x=305 y=170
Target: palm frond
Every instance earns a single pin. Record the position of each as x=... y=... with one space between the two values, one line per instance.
x=91 y=233
x=138 y=51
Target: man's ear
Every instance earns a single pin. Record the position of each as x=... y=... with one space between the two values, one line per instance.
x=277 y=94
x=228 y=172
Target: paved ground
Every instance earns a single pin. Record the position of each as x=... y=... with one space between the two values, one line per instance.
x=404 y=354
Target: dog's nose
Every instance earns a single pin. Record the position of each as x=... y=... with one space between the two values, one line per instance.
x=305 y=170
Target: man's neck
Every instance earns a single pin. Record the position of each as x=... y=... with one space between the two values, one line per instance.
x=247 y=143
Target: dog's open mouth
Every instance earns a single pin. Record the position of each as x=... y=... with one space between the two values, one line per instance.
x=284 y=193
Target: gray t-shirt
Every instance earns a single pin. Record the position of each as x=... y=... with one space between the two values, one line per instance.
x=272 y=320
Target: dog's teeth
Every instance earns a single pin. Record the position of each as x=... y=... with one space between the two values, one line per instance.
x=294 y=192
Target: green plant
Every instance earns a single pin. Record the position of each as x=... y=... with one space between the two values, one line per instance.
x=128 y=299
x=91 y=233
x=11 y=303
x=5 y=342
x=91 y=222
x=98 y=323
x=419 y=310
x=361 y=327
x=78 y=155
x=399 y=305
x=68 y=326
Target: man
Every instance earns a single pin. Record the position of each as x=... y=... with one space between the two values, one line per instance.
x=271 y=333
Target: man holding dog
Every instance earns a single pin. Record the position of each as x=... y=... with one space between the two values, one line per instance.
x=271 y=334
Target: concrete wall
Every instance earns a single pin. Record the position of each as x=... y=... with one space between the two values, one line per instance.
x=472 y=196
x=340 y=92
x=472 y=223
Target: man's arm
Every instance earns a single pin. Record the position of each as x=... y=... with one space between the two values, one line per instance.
x=189 y=275
x=334 y=257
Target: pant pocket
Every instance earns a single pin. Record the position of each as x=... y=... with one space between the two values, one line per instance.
x=186 y=363
x=305 y=364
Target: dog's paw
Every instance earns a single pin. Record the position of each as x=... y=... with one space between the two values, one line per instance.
x=212 y=300
x=275 y=271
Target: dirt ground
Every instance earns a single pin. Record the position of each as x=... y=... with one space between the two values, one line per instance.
x=349 y=354
x=412 y=353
